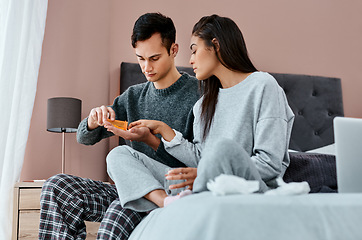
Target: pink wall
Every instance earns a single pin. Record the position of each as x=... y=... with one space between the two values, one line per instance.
x=75 y=63
x=85 y=41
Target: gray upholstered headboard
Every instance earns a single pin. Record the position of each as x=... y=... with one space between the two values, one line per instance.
x=314 y=100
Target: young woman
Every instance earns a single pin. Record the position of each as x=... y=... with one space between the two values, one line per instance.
x=242 y=122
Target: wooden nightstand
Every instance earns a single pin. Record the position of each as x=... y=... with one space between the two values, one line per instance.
x=27 y=212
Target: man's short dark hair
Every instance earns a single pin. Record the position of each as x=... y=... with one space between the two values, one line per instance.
x=151 y=23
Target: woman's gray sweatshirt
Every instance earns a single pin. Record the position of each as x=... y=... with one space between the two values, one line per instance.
x=255 y=113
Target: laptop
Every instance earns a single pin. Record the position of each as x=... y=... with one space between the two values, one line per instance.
x=348 y=142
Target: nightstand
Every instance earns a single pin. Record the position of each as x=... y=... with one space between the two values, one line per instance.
x=26 y=212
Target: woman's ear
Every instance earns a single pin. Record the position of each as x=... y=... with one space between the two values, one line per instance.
x=174 y=49
x=216 y=44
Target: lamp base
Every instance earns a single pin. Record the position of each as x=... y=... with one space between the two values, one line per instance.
x=63 y=152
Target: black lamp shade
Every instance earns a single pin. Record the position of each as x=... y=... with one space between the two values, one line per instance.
x=63 y=114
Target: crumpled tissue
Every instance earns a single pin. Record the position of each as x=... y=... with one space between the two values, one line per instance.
x=231 y=184
x=292 y=188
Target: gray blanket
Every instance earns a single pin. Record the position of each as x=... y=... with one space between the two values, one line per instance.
x=204 y=216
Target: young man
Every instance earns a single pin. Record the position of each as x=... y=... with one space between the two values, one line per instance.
x=66 y=201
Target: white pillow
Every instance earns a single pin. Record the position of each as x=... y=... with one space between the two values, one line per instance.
x=329 y=149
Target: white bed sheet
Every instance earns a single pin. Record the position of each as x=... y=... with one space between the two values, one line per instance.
x=256 y=216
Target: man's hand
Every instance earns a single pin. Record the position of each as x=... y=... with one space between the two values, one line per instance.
x=98 y=116
x=189 y=174
x=141 y=134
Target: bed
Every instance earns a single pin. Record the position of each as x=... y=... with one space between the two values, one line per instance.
x=322 y=214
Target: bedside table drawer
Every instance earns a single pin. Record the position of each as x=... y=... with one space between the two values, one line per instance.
x=29 y=224
x=26 y=212
x=29 y=198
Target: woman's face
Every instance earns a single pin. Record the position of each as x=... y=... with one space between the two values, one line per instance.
x=203 y=59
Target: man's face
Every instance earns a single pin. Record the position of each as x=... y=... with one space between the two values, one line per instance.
x=153 y=58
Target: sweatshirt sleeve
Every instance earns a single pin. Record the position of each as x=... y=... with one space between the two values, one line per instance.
x=163 y=154
x=270 y=147
x=182 y=147
x=187 y=152
x=272 y=133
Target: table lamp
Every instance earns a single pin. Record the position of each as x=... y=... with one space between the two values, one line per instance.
x=63 y=116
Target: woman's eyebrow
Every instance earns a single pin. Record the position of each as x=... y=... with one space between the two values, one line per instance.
x=192 y=45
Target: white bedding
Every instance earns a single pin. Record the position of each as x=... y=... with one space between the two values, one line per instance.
x=256 y=216
x=329 y=149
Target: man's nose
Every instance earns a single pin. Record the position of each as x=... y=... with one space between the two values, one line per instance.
x=148 y=66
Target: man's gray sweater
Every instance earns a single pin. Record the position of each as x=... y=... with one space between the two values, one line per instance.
x=172 y=105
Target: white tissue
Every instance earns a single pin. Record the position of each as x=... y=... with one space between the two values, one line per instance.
x=293 y=188
x=230 y=184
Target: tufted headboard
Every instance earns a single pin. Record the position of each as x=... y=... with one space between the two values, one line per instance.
x=314 y=100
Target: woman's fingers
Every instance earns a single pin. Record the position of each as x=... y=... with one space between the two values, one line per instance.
x=187 y=174
x=133 y=124
x=182 y=173
x=183 y=184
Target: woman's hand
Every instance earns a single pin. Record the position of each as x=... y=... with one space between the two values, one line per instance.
x=141 y=134
x=188 y=174
x=156 y=127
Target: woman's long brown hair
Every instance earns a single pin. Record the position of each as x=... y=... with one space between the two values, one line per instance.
x=231 y=52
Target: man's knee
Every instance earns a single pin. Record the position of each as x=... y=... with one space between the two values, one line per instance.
x=115 y=155
x=53 y=185
x=56 y=180
x=120 y=158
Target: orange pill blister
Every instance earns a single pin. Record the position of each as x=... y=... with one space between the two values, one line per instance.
x=119 y=124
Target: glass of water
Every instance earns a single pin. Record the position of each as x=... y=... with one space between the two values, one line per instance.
x=168 y=183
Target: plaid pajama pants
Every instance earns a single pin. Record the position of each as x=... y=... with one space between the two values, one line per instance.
x=67 y=201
